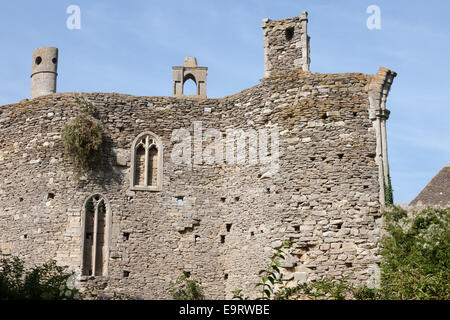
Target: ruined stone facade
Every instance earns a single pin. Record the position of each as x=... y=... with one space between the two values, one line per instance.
x=218 y=220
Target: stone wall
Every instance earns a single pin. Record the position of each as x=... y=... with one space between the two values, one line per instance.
x=324 y=197
x=286 y=44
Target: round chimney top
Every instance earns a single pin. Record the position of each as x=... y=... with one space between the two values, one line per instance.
x=45 y=59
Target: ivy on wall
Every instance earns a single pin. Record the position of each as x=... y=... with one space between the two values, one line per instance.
x=83 y=136
x=388 y=192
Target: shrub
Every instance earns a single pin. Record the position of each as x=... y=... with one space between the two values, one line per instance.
x=416 y=255
x=83 y=137
x=186 y=289
x=46 y=282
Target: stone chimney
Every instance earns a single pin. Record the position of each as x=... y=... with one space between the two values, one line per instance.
x=44 y=71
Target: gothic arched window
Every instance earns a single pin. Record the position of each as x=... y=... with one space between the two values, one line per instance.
x=96 y=221
x=146 y=163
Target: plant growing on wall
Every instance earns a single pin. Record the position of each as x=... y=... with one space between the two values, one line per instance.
x=388 y=192
x=186 y=289
x=270 y=276
x=83 y=136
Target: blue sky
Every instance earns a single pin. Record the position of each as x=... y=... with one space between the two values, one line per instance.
x=130 y=46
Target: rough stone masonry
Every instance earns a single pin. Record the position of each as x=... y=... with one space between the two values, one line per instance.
x=142 y=219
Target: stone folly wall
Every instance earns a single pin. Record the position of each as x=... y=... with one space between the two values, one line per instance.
x=286 y=44
x=324 y=198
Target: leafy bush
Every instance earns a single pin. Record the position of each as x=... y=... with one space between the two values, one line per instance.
x=416 y=255
x=46 y=282
x=83 y=136
x=186 y=289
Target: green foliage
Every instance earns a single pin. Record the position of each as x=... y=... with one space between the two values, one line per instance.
x=388 y=192
x=271 y=275
x=83 y=136
x=186 y=289
x=320 y=289
x=416 y=255
x=238 y=295
x=366 y=293
x=46 y=282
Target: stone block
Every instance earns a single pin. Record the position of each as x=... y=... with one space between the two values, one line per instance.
x=300 y=277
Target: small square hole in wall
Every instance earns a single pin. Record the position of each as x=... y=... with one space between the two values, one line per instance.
x=222 y=239
x=197 y=238
x=50 y=196
x=180 y=200
x=349 y=264
x=329 y=189
x=126 y=236
x=297 y=228
x=340 y=155
x=223 y=199
x=20 y=199
x=25 y=236
x=228 y=227
x=236 y=199
x=289 y=33
x=187 y=274
x=225 y=276
x=126 y=274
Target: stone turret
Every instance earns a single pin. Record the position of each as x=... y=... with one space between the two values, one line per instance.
x=286 y=44
x=44 y=71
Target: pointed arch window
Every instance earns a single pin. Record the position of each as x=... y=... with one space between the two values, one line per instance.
x=146 y=162
x=96 y=221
